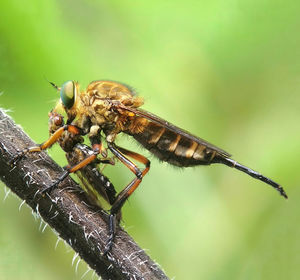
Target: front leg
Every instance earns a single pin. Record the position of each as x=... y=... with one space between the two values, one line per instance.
x=47 y=144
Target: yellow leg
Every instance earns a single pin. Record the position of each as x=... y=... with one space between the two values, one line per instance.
x=47 y=144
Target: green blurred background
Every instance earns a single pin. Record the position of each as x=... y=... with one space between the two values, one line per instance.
x=228 y=71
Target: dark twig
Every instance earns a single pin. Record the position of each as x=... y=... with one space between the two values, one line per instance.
x=66 y=210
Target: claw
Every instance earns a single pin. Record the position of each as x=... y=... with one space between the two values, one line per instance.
x=55 y=184
x=50 y=188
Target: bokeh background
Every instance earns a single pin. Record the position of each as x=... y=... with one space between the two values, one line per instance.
x=228 y=71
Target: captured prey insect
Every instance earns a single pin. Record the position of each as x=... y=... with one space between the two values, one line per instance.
x=94 y=183
x=96 y=186
x=107 y=108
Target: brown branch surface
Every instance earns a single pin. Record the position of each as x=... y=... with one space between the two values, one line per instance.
x=66 y=210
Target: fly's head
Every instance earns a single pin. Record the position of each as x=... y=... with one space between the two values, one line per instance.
x=69 y=99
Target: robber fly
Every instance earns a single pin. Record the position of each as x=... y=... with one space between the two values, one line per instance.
x=93 y=182
x=108 y=108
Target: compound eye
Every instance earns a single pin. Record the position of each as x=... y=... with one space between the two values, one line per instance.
x=67 y=94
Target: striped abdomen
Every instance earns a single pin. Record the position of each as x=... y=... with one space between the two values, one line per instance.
x=172 y=144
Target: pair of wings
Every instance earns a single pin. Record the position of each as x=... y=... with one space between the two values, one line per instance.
x=159 y=121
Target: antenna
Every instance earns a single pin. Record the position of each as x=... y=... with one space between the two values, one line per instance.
x=52 y=84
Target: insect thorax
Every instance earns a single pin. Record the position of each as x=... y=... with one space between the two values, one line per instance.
x=96 y=105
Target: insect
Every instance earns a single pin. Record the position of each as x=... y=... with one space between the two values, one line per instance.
x=106 y=109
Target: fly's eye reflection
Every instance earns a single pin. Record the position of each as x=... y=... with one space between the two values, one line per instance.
x=67 y=94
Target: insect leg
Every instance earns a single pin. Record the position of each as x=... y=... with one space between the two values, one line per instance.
x=131 y=187
x=128 y=190
x=76 y=167
x=47 y=144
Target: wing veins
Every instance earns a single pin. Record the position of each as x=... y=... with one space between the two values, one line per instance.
x=151 y=117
